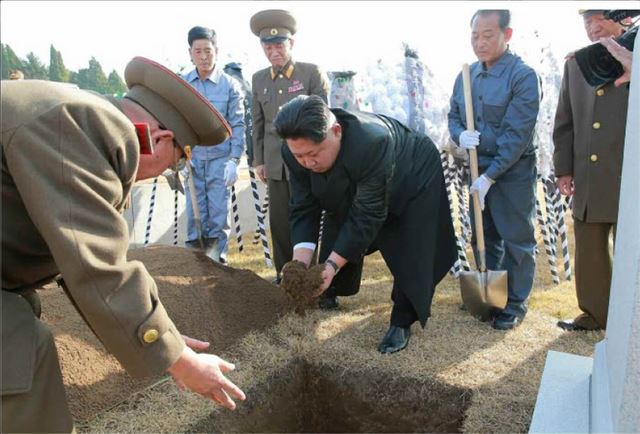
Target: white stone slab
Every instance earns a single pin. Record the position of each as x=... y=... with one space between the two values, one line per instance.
x=563 y=398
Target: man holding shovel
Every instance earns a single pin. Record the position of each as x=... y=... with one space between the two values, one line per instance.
x=505 y=99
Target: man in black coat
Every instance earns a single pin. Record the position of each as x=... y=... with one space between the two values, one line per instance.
x=382 y=187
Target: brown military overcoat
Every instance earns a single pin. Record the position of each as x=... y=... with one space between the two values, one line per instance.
x=589 y=142
x=271 y=90
x=69 y=160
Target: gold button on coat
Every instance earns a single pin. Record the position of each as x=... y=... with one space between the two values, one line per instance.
x=151 y=335
x=594 y=157
x=596 y=125
x=600 y=92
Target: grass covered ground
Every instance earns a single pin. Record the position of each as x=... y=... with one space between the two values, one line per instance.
x=494 y=374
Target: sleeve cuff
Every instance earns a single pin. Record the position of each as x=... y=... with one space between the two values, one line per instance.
x=305 y=245
x=160 y=345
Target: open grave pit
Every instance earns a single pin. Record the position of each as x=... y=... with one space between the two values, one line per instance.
x=306 y=397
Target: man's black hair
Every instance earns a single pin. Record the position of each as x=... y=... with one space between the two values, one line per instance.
x=304 y=117
x=504 y=16
x=199 y=32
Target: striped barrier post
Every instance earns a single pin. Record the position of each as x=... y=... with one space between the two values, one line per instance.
x=261 y=232
x=264 y=207
x=152 y=204
x=551 y=257
x=236 y=218
x=175 y=214
x=552 y=221
x=461 y=263
x=461 y=239
x=463 y=205
x=562 y=229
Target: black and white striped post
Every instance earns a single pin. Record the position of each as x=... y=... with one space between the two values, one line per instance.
x=461 y=263
x=236 y=218
x=560 y=208
x=552 y=221
x=463 y=204
x=263 y=211
x=152 y=204
x=551 y=256
x=175 y=213
x=261 y=232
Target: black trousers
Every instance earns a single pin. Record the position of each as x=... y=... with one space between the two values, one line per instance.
x=418 y=246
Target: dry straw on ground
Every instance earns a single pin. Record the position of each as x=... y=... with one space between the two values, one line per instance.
x=458 y=373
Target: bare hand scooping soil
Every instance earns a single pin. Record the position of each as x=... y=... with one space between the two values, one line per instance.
x=302 y=284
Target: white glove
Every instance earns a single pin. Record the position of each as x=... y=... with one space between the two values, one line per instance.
x=469 y=139
x=481 y=185
x=230 y=173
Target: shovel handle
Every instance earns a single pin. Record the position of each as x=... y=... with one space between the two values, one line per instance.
x=194 y=204
x=473 y=158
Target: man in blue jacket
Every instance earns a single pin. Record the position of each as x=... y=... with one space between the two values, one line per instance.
x=216 y=169
x=382 y=187
x=505 y=105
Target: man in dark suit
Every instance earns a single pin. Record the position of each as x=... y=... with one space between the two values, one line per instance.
x=382 y=187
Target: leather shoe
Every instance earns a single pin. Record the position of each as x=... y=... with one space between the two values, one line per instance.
x=570 y=325
x=395 y=340
x=328 y=303
x=277 y=281
x=506 y=321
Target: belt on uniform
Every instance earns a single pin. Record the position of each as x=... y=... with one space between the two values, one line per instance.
x=29 y=293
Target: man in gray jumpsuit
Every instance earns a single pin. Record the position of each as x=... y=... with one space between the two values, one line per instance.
x=505 y=105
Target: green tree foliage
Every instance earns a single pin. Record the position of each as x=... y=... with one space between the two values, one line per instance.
x=34 y=68
x=57 y=70
x=93 y=77
x=116 y=85
x=9 y=61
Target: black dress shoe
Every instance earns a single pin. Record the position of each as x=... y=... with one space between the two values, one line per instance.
x=506 y=321
x=570 y=325
x=328 y=303
x=395 y=340
x=277 y=281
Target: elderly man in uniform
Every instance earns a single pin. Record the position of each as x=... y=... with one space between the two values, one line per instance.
x=69 y=161
x=382 y=187
x=273 y=87
x=214 y=169
x=589 y=142
x=505 y=103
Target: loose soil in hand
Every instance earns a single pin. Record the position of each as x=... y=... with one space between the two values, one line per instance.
x=302 y=284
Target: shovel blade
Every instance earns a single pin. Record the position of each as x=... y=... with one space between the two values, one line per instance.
x=497 y=289
x=484 y=292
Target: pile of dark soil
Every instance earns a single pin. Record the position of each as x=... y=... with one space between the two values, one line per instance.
x=206 y=301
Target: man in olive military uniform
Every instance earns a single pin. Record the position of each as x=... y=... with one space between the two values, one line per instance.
x=589 y=141
x=272 y=88
x=69 y=161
